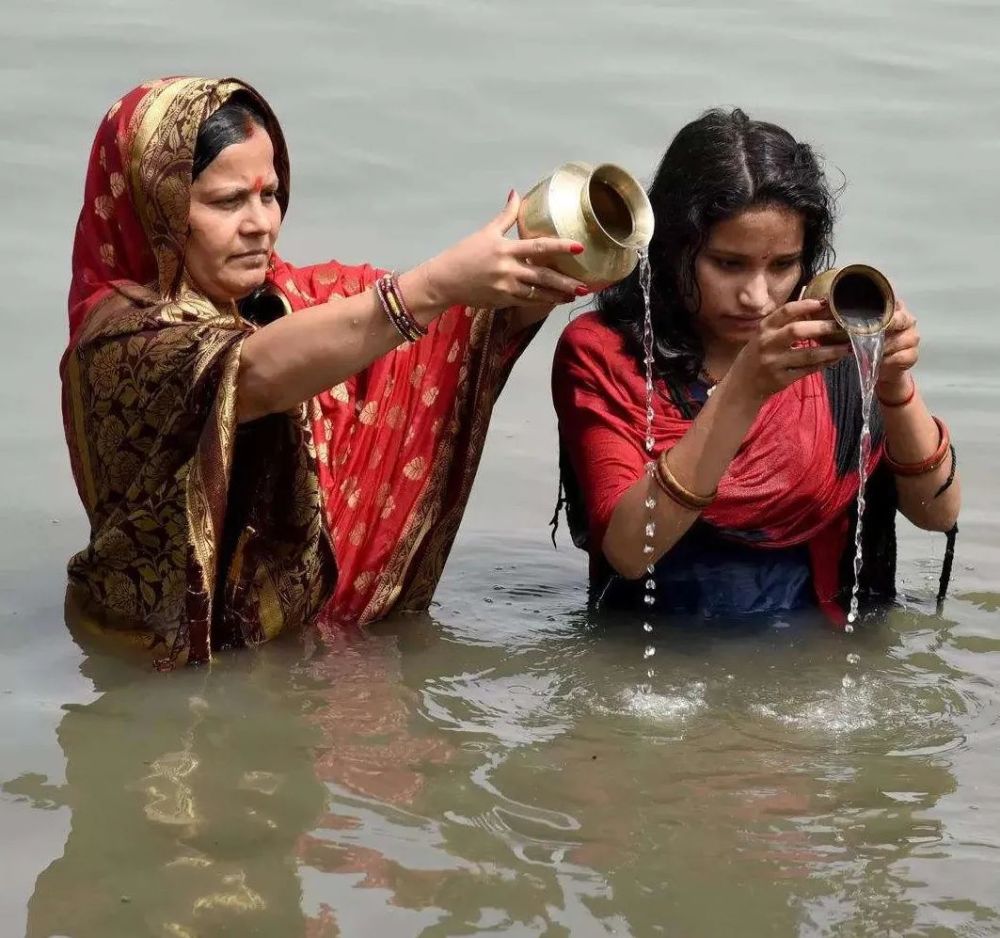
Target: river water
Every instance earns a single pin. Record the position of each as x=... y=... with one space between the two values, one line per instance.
x=493 y=766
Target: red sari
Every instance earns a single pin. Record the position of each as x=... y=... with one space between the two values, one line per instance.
x=784 y=487
x=205 y=533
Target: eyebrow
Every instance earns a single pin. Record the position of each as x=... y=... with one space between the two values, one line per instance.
x=237 y=191
x=791 y=255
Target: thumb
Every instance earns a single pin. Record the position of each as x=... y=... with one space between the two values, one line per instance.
x=508 y=217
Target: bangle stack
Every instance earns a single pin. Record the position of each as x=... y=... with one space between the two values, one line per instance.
x=666 y=480
x=925 y=466
x=391 y=300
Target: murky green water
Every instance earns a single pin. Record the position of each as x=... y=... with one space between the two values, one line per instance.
x=495 y=767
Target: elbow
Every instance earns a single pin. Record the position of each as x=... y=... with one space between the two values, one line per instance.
x=938 y=521
x=625 y=564
x=934 y=516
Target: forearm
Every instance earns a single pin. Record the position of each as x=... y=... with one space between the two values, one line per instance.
x=911 y=435
x=698 y=461
x=298 y=356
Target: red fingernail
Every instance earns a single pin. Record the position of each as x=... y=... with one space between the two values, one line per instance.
x=576 y=249
x=582 y=291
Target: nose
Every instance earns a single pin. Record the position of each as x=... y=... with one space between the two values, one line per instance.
x=256 y=220
x=754 y=293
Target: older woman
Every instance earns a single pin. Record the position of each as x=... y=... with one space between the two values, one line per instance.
x=244 y=469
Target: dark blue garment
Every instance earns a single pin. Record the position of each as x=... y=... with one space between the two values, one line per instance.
x=706 y=574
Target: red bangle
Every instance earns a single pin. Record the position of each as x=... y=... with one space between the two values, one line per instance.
x=927 y=465
x=906 y=400
x=391 y=300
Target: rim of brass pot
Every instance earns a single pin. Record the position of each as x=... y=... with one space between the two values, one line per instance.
x=607 y=218
x=825 y=285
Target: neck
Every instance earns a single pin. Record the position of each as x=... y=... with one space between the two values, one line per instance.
x=719 y=358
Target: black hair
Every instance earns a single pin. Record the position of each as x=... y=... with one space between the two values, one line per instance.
x=231 y=123
x=716 y=167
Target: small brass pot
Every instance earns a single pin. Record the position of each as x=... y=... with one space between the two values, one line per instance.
x=602 y=207
x=861 y=298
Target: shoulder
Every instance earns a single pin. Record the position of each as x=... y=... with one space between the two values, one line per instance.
x=588 y=336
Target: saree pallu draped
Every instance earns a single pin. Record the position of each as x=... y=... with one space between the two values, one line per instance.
x=205 y=533
x=793 y=481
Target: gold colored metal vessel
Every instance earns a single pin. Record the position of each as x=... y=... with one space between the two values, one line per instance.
x=861 y=298
x=602 y=207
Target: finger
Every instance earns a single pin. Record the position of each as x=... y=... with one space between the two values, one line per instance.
x=533 y=297
x=901 y=321
x=901 y=342
x=812 y=330
x=794 y=374
x=547 y=279
x=508 y=217
x=817 y=355
x=797 y=309
x=541 y=247
x=899 y=361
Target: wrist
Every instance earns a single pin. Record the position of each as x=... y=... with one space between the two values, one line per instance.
x=740 y=391
x=896 y=391
x=423 y=293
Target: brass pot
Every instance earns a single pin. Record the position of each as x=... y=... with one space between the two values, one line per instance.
x=861 y=298
x=602 y=207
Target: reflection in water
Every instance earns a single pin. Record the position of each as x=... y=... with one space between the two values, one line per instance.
x=188 y=796
x=454 y=776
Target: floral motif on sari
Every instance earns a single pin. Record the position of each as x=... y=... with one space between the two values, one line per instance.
x=204 y=533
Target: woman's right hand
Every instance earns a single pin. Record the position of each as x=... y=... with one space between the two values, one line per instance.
x=490 y=270
x=797 y=339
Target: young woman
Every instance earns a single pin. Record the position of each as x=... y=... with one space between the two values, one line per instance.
x=756 y=410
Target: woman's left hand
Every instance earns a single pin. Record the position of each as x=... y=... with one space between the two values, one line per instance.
x=899 y=354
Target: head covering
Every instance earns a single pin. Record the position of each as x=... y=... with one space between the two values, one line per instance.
x=133 y=226
x=203 y=533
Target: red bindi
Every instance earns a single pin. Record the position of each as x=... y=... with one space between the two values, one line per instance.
x=258 y=185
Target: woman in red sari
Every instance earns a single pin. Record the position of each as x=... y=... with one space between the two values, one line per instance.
x=244 y=469
x=752 y=479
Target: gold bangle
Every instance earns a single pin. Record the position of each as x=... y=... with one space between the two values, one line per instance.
x=669 y=484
